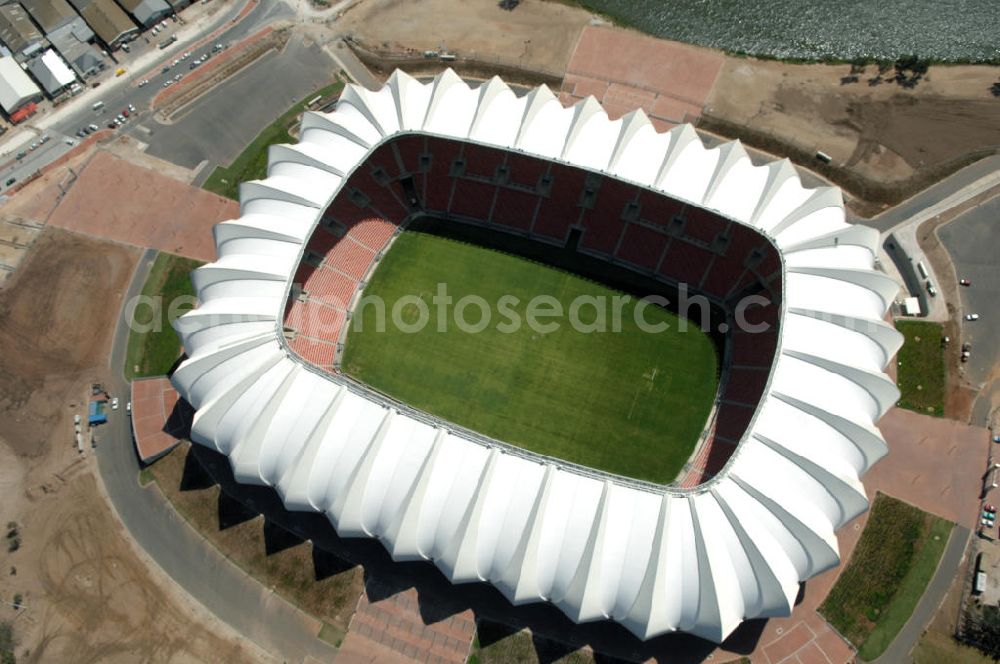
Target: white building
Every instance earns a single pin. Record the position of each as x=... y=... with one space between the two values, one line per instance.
x=52 y=72
x=656 y=559
x=16 y=87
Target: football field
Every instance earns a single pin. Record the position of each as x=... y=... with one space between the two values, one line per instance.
x=595 y=385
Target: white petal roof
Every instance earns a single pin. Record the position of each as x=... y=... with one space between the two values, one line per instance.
x=656 y=559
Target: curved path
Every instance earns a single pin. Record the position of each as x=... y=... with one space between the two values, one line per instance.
x=192 y=562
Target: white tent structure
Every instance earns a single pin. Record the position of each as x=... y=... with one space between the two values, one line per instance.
x=656 y=559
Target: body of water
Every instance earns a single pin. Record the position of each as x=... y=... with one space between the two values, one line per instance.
x=949 y=30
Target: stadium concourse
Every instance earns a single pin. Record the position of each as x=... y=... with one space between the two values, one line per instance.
x=656 y=559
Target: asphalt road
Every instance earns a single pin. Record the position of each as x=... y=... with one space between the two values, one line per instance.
x=194 y=564
x=899 y=650
x=219 y=125
x=971 y=241
x=933 y=194
x=117 y=96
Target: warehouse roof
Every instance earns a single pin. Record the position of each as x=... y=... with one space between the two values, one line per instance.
x=16 y=29
x=51 y=71
x=50 y=14
x=16 y=87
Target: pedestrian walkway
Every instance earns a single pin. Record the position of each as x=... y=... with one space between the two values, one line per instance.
x=394 y=626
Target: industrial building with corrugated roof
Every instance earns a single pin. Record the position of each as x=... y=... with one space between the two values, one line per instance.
x=18 y=33
x=111 y=24
x=68 y=33
x=16 y=87
x=50 y=14
x=147 y=13
x=51 y=72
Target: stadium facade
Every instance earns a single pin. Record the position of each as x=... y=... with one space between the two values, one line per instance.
x=656 y=559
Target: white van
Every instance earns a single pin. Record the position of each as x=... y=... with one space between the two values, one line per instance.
x=922 y=269
x=98 y=105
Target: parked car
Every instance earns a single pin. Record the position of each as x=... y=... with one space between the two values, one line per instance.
x=114 y=403
x=81 y=133
x=46 y=138
x=125 y=112
x=964 y=282
x=131 y=108
x=93 y=127
x=971 y=316
x=989 y=508
x=178 y=77
x=144 y=82
x=10 y=181
x=128 y=407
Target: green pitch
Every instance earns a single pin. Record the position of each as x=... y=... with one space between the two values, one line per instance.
x=630 y=402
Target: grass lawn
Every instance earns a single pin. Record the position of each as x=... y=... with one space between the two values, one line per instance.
x=921 y=367
x=153 y=346
x=251 y=164
x=499 y=644
x=879 y=588
x=935 y=647
x=313 y=580
x=628 y=402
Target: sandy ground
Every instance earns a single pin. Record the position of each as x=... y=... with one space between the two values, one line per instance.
x=883 y=131
x=88 y=595
x=472 y=28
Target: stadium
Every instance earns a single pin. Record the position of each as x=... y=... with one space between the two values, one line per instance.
x=762 y=448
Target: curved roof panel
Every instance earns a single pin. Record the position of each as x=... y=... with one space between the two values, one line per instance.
x=654 y=558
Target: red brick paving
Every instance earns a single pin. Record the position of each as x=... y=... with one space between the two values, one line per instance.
x=669 y=81
x=933 y=463
x=392 y=629
x=117 y=200
x=153 y=401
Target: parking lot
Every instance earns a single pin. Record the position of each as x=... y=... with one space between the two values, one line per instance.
x=215 y=129
x=978 y=261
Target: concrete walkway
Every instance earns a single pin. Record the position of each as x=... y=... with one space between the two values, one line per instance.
x=899 y=650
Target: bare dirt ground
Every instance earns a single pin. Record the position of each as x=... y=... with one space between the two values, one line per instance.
x=54 y=321
x=538 y=35
x=87 y=595
x=883 y=132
